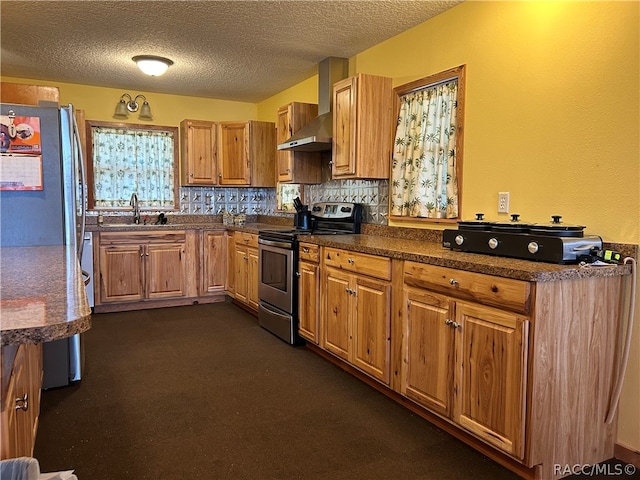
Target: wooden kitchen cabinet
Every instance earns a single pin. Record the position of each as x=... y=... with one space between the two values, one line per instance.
x=292 y=166
x=246 y=269
x=465 y=355
x=309 y=292
x=230 y=282
x=145 y=266
x=198 y=153
x=246 y=153
x=362 y=127
x=213 y=262
x=20 y=400
x=356 y=310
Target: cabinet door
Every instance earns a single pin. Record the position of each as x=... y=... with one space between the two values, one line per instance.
x=252 y=277
x=214 y=262
x=121 y=277
x=241 y=264
x=284 y=158
x=233 y=154
x=337 y=312
x=371 y=327
x=198 y=152
x=427 y=350
x=230 y=282
x=308 y=285
x=344 y=124
x=165 y=270
x=490 y=378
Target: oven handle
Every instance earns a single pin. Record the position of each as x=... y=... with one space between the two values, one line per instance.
x=273 y=243
x=271 y=311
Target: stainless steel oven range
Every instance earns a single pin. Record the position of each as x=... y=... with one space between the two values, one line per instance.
x=278 y=265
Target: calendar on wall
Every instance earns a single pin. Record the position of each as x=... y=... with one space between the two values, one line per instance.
x=20 y=172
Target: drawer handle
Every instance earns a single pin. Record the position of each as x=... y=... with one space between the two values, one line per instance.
x=22 y=403
x=453 y=281
x=351 y=260
x=350 y=291
x=305 y=249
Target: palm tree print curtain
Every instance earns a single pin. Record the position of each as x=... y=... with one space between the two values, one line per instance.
x=133 y=161
x=424 y=183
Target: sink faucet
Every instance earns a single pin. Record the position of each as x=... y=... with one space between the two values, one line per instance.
x=136 y=208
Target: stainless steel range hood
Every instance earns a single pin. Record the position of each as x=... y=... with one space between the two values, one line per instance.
x=316 y=135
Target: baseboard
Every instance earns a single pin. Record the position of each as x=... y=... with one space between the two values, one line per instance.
x=147 y=304
x=626 y=454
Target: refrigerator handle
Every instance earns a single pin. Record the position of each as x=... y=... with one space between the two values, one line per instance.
x=83 y=180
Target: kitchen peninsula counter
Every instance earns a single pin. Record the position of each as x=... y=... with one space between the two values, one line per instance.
x=42 y=295
x=435 y=254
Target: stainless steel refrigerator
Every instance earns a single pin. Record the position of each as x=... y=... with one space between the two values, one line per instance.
x=52 y=214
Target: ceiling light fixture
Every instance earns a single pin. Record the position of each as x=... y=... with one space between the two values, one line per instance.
x=131 y=105
x=152 y=65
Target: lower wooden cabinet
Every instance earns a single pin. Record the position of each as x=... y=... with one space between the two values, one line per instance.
x=138 y=267
x=245 y=260
x=213 y=262
x=356 y=310
x=309 y=292
x=21 y=400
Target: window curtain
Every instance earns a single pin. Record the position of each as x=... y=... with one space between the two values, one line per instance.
x=424 y=183
x=133 y=161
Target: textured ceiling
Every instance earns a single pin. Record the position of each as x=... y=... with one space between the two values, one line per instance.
x=233 y=50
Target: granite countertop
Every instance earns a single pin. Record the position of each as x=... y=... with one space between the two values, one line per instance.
x=42 y=295
x=435 y=254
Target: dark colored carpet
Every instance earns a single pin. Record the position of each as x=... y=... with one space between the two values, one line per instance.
x=202 y=392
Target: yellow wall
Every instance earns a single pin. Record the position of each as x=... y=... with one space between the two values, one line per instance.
x=553 y=117
x=99 y=103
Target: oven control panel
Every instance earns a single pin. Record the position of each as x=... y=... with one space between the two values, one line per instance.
x=331 y=210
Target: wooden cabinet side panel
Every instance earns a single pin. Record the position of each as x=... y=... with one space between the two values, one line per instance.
x=373 y=126
x=252 y=278
x=261 y=148
x=241 y=267
x=572 y=370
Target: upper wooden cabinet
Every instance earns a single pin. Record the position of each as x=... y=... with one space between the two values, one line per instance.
x=246 y=153
x=296 y=167
x=362 y=127
x=198 y=148
x=28 y=94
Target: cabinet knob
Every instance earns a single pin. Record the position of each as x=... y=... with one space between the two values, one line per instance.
x=351 y=260
x=448 y=322
x=456 y=325
x=297 y=274
x=305 y=249
x=191 y=175
x=453 y=281
x=22 y=403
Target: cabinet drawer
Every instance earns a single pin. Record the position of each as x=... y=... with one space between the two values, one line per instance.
x=244 y=238
x=363 y=263
x=138 y=238
x=487 y=289
x=309 y=252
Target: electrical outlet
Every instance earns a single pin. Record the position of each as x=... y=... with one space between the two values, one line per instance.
x=503 y=202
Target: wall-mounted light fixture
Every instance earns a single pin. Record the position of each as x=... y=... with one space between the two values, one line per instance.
x=131 y=105
x=152 y=65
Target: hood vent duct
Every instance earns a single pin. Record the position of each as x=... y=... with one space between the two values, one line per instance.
x=316 y=135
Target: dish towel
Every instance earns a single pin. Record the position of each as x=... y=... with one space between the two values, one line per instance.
x=27 y=468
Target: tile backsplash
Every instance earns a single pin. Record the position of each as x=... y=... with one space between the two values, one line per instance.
x=372 y=194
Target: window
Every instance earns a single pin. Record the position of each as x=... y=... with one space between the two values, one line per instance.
x=426 y=169
x=124 y=159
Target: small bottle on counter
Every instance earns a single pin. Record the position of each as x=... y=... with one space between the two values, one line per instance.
x=100 y=218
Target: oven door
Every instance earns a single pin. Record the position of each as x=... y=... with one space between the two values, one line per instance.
x=275 y=273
